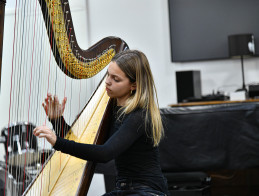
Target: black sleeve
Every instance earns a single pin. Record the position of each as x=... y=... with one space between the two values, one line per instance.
x=128 y=133
x=60 y=126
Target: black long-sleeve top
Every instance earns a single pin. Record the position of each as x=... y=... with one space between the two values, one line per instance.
x=129 y=143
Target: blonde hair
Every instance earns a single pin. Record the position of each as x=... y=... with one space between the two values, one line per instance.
x=136 y=67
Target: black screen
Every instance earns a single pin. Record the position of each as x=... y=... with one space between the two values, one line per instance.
x=199 y=29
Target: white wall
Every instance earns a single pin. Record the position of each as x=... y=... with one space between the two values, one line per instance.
x=144 y=25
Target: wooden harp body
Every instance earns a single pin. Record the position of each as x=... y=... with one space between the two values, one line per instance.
x=63 y=174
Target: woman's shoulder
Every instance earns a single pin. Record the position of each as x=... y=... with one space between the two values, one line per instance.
x=139 y=114
x=139 y=111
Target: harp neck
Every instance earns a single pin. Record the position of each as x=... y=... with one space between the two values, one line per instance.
x=75 y=62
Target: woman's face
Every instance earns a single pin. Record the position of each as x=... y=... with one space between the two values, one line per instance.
x=118 y=84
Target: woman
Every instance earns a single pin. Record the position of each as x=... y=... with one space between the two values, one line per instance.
x=135 y=132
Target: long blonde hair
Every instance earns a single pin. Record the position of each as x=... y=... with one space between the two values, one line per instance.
x=136 y=67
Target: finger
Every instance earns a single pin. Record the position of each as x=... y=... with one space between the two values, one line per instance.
x=46 y=100
x=56 y=101
x=51 y=137
x=45 y=108
x=41 y=129
x=50 y=98
x=64 y=102
x=36 y=131
x=36 y=134
x=37 y=128
x=41 y=135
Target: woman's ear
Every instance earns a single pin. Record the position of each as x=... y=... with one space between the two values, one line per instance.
x=133 y=86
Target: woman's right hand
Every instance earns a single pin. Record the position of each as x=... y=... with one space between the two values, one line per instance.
x=52 y=107
x=45 y=132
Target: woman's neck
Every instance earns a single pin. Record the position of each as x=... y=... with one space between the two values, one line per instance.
x=121 y=102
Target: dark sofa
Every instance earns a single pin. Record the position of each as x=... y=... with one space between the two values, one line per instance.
x=198 y=139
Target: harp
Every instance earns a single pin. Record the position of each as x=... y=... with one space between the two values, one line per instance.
x=61 y=174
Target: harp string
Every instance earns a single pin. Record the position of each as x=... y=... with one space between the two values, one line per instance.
x=35 y=72
x=9 y=119
x=16 y=84
x=30 y=92
x=26 y=94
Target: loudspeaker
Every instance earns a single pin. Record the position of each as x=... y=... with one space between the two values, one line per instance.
x=253 y=90
x=241 y=45
x=188 y=85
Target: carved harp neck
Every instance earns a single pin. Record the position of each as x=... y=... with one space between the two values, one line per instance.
x=72 y=60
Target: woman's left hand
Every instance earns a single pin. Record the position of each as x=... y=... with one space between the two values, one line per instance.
x=44 y=131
